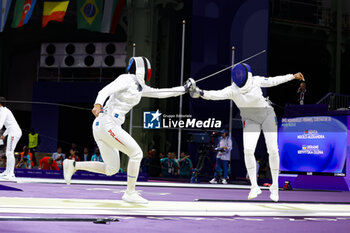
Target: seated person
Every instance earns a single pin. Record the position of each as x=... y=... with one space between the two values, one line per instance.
x=24 y=162
x=97 y=156
x=86 y=156
x=59 y=157
x=73 y=155
x=25 y=153
x=47 y=163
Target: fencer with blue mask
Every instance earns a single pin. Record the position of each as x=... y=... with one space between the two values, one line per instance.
x=257 y=114
x=121 y=96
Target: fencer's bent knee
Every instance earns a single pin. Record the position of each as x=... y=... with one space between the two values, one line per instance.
x=137 y=156
x=111 y=170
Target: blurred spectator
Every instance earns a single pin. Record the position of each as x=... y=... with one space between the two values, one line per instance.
x=264 y=169
x=47 y=163
x=222 y=158
x=26 y=157
x=2 y=150
x=33 y=143
x=27 y=152
x=145 y=162
x=161 y=155
x=24 y=162
x=97 y=156
x=86 y=156
x=154 y=164
x=185 y=165
x=75 y=149
x=177 y=164
x=169 y=165
x=73 y=156
x=174 y=157
x=59 y=157
x=2 y=143
x=303 y=97
x=2 y=160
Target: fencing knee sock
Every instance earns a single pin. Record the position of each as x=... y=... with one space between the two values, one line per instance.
x=97 y=167
x=133 y=171
x=250 y=164
x=10 y=163
x=274 y=161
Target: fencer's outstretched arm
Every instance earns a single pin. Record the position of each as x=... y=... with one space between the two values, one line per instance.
x=274 y=81
x=162 y=92
x=223 y=94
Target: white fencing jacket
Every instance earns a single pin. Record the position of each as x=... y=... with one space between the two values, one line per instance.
x=8 y=120
x=125 y=92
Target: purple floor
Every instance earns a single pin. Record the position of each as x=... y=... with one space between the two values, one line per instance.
x=172 y=224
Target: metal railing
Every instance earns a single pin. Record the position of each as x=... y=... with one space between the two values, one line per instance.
x=336 y=101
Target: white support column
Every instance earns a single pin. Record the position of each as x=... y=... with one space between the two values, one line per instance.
x=131 y=111
x=231 y=102
x=181 y=83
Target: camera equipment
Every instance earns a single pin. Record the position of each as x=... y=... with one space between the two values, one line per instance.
x=205 y=145
x=200 y=138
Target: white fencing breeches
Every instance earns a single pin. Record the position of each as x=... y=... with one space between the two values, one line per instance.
x=111 y=139
x=12 y=140
x=251 y=133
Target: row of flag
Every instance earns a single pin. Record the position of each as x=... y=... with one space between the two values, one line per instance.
x=93 y=15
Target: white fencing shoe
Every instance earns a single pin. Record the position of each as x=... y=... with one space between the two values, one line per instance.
x=213 y=181
x=3 y=174
x=9 y=177
x=274 y=194
x=134 y=197
x=68 y=170
x=254 y=192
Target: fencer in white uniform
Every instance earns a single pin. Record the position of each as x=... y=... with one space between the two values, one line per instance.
x=257 y=114
x=124 y=93
x=13 y=133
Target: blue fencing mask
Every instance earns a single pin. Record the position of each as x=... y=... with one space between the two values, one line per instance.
x=239 y=74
